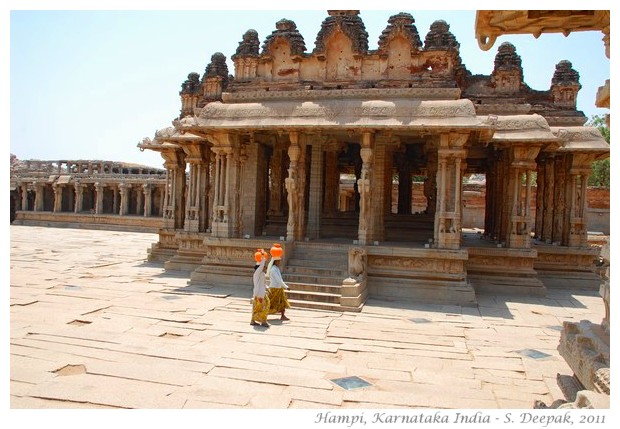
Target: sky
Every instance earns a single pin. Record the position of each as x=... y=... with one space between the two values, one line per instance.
x=91 y=84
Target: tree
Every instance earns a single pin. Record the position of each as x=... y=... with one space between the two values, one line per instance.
x=600 y=169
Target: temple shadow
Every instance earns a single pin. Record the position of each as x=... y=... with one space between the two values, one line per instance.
x=491 y=305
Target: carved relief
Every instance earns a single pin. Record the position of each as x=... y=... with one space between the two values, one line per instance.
x=416 y=264
x=357 y=263
x=215 y=253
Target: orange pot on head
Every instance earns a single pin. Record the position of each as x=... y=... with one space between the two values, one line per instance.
x=276 y=251
x=260 y=253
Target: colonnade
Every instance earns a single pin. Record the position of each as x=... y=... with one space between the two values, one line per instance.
x=102 y=197
x=235 y=182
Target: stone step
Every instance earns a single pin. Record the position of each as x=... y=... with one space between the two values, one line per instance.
x=314 y=272
x=314 y=287
x=314 y=297
x=314 y=279
x=317 y=264
x=316 y=305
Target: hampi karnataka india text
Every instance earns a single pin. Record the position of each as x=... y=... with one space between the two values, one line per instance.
x=333 y=227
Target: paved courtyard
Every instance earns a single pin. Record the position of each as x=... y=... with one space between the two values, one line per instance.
x=94 y=325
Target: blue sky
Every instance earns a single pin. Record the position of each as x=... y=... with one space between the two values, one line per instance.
x=90 y=84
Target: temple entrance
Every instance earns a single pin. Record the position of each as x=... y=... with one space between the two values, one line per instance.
x=341 y=200
x=411 y=218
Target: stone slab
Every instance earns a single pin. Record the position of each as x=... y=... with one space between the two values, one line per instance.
x=197 y=350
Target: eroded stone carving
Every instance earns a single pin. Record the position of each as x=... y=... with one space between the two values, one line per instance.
x=357 y=263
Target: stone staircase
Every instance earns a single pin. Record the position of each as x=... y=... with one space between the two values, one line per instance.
x=314 y=273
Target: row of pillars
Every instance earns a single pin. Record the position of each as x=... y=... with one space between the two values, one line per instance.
x=191 y=211
x=144 y=197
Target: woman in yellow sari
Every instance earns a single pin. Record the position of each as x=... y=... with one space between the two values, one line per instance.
x=276 y=294
x=260 y=300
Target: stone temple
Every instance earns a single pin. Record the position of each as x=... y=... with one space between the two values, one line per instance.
x=317 y=147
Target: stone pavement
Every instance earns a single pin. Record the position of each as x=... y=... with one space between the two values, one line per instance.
x=94 y=325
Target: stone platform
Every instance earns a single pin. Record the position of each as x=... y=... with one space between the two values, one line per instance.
x=93 y=324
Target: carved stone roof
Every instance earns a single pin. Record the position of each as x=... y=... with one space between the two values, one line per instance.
x=403 y=24
x=507 y=59
x=439 y=37
x=217 y=67
x=249 y=46
x=350 y=24
x=191 y=85
x=565 y=75
x=287 y=29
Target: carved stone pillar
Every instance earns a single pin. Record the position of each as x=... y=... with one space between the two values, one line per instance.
x=167 y=207
x=518 y=182
x=147 y=189
x=115 y=200
x=559 y=233
x=191 y=206
x=99 y=189
x=365 y=230
x=79 y=197
x=39 y=199
x=578 y=199
x=24 y=189
x=226 y=202
x=380 y=188
x=430 y=183
x=504 y=205
x=547 y=207
x=57 y=198
x=218 y=191
x=540 y=199
x=254 y=188
x=291 y=183
x=139 y=201
x=125 y=190
x=448 y=220
x=174 y=193
x=494 y=199
x=316 y=190
x=196 y=204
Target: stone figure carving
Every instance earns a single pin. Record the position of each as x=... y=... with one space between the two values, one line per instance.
x=291 y=189
x=357 y=262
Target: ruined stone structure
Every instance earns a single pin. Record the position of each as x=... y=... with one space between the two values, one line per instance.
x=87 y=193
x=584 y=345
x=269 y=149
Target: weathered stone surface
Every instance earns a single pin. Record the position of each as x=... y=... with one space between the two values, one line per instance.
x=413 y=354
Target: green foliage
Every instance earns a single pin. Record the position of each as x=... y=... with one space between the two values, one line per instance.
x=600 y=174
x=600 y=169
